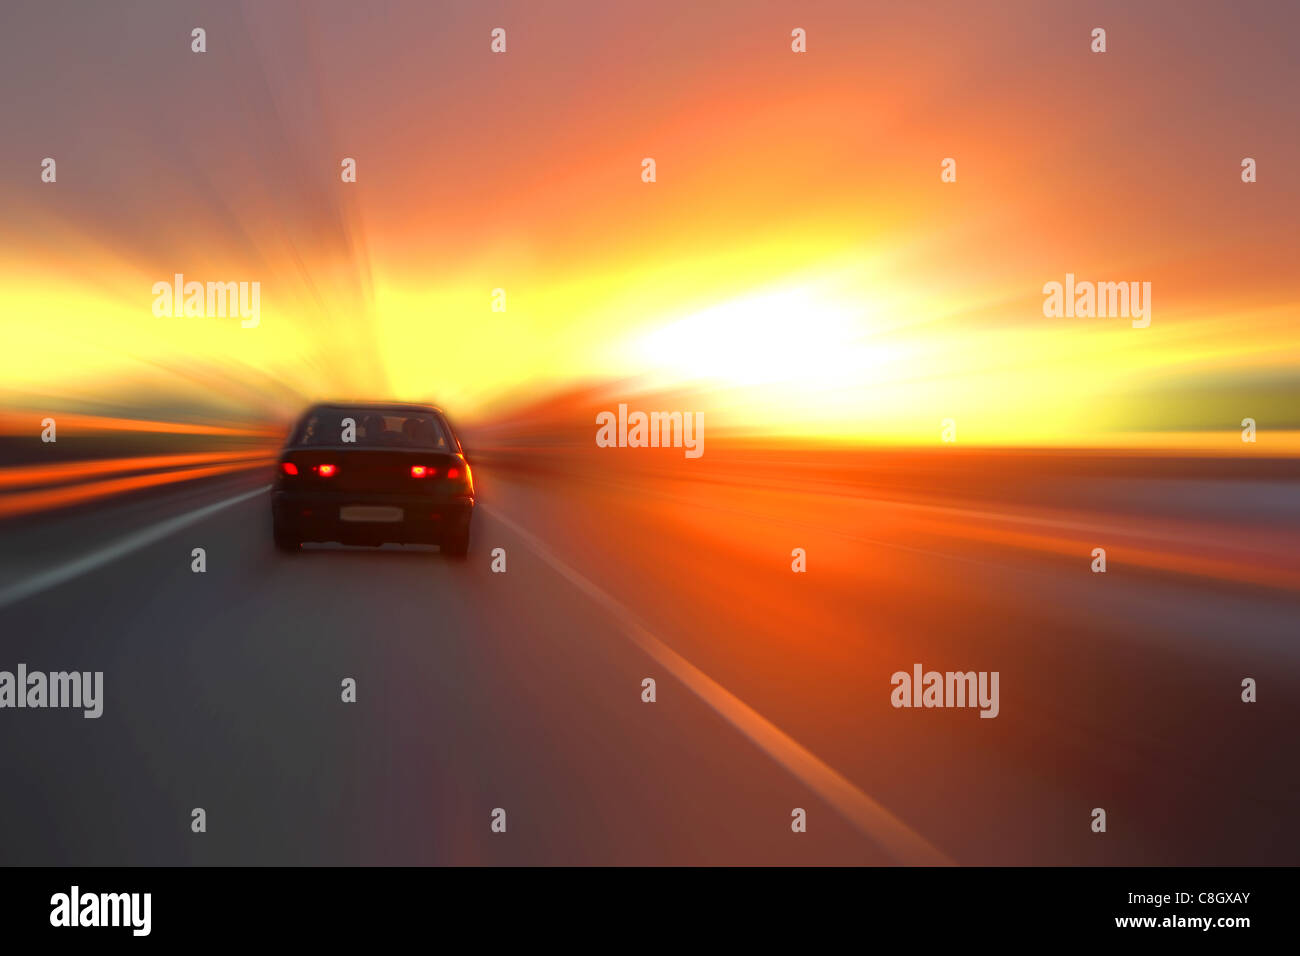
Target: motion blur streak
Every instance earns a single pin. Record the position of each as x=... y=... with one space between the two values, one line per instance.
x=23 y=502
x=16 y=423
x=1267 y=557
x=902 y=843
x=81 y=470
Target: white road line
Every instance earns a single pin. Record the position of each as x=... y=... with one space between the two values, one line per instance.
x=898 y=839
x=51 y=577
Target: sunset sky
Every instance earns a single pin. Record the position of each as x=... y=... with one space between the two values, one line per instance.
x=798 y=265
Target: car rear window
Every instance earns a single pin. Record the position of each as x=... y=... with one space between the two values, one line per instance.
x=374 y=429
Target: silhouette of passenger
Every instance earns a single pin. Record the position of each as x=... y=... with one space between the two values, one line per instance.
x=375 y=428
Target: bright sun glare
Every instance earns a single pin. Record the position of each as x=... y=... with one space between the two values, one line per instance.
x=793 y=336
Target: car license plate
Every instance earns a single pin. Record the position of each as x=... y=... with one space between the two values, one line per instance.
x=370 y=513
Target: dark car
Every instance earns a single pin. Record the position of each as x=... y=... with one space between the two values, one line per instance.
x=371 y=474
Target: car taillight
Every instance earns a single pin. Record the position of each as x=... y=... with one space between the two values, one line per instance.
x=463 y=477
x=289 y=468
x=325 y=471
x=421 y=471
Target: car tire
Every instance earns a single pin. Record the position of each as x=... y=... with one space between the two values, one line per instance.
x=456 y=545
x=286 y=543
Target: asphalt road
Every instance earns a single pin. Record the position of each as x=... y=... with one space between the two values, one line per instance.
x=522 y=690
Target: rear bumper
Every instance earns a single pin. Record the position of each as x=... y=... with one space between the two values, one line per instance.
x=310 y=516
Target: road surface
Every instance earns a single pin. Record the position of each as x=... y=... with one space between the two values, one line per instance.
x=523 y=690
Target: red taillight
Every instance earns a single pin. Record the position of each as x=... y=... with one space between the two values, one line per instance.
x=325 y=471
x=453 y=472
x=421 y=471
x=289 y=467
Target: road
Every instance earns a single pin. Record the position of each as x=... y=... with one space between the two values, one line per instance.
x=523 y=690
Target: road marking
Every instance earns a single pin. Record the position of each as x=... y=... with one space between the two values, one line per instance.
x=898 y=839
x=47 y=579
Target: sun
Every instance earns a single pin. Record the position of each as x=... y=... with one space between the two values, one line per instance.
x=795 y=336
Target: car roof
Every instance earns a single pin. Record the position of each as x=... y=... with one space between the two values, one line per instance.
x=378 y=406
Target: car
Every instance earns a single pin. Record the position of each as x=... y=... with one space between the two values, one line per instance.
x=371 y=474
